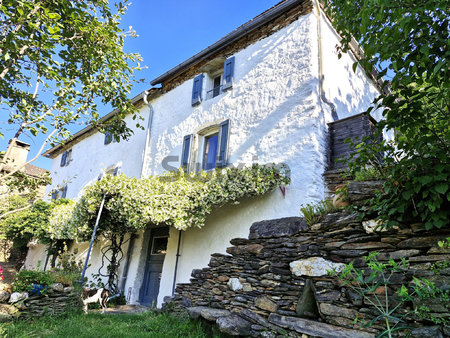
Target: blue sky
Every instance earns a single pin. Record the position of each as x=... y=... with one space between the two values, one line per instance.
x=170 y=31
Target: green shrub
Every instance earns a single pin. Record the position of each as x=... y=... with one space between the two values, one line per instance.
x=368 y=174
x=313 y=213
x=26 y=278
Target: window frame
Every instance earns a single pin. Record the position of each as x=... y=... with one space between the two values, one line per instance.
x=66 y=158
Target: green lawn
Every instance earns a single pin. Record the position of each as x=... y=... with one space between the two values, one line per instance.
x=107 y=325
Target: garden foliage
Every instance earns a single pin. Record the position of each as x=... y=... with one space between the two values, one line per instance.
x=408 y=42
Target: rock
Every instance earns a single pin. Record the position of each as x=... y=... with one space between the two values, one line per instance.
x=58 y=287
x=4 y=296
x=206 y=312
x=68 y=289
x=430 y=331
x=397 y=254
x=332 y=310
x=234 y=325
x=367 y=245
x=242 y=249
x=8 y=312
x=314 y=267
x=265 y=303
x=269 y=283
x=17 y=297
x=277 y=228
x=216 y=291
x=419 y=242
x=223 y=279
x=234 y=284
x=196 y=273
x=307 y=305
x=372 y=226
x=247 y=287
x=212 y=314
x=313 y=328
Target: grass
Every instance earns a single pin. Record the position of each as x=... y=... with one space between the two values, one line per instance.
x=149 y=324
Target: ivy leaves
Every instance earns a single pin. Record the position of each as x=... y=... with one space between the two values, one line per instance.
x=175 y=199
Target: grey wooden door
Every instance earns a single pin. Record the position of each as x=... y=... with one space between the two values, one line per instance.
x=157 y=247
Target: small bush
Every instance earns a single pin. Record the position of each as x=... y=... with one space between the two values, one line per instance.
x=313 y=213
x=27 y=279
x=38 y=281
x=368 y=174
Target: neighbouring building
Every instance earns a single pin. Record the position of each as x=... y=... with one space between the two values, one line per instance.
x=18 y=158
x=264 y=93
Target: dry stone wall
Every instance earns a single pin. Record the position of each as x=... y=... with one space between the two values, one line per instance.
x=56 y=301
x=276 y=283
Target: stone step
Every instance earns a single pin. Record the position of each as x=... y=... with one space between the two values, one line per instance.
x=314 y=328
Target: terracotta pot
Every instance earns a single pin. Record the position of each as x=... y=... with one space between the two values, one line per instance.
x=340 y=201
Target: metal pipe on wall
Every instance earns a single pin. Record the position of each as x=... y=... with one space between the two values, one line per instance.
x=176 y=263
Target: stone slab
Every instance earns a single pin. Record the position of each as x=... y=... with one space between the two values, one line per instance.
x=277 y=227
x=313 y=328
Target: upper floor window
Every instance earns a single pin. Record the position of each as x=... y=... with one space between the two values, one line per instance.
x=59 y=193
x=66 y=158
x=207 y=149
x=219 y=81
x=108 y=137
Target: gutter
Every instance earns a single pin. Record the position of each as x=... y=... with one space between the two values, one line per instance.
x=50 y=153
x=229 y=39
x=149 y=129
x=176 y=263
x=322 y=95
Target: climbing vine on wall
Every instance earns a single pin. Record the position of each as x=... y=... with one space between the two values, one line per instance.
x=175 y=199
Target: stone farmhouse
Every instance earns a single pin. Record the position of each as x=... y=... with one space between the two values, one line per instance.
x=264 y=93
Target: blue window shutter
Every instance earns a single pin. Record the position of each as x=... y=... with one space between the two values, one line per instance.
x=108 y=137
x=185 y=154
x=63 y=159
x=54 y=194
x=197 y=90
x=100 y=176
x=116 y=171
x=228 y=74
x=64 y=192
x=222 y=156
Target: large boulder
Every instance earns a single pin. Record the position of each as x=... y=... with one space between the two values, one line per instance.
x=277 y=227
x=17 y=297
x=314 y=267
x=234 y=325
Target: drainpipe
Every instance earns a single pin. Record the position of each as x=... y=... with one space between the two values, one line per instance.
x=92 y=239
x=123 y=279
x=176 y=263
x=149 y=128
x=323 y=97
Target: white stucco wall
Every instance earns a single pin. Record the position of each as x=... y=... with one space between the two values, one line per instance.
x=276 y=115
x=91 y=157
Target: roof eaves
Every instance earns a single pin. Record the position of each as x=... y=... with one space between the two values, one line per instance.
x=54 y=151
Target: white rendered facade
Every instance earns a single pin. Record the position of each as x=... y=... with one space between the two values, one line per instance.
x=276 y=114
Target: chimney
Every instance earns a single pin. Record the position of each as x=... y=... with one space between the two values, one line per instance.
x=18 y=155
